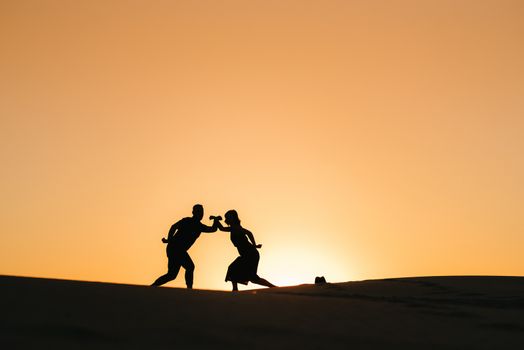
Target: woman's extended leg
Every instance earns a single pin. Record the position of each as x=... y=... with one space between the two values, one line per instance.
x=262 y=282
x=235 y=286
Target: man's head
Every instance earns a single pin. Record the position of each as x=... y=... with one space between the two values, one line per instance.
x=198 y=211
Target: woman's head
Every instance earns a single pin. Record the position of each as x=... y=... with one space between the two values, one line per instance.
x=232 y=218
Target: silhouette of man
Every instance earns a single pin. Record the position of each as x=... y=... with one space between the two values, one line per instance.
x=180 y=238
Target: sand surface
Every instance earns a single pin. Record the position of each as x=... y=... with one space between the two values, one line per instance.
x=404 y=313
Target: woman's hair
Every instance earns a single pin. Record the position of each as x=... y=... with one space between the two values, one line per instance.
x=232 y=217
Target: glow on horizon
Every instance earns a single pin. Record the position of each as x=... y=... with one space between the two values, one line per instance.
x=356 y=139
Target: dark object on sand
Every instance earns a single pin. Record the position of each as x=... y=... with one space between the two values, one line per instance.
x=320 y=280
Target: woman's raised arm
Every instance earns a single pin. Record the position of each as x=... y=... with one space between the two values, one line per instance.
x=220 y=227
x=252 y=239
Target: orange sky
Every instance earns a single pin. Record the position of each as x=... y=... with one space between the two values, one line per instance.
x=356 y=139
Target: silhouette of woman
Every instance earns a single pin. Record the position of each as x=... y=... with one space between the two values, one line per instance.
x=244 y=268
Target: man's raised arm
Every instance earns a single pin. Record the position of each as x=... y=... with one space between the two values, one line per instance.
x=208 y=229
x=214 y=228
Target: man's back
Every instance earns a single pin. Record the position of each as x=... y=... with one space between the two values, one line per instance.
x=188 y=230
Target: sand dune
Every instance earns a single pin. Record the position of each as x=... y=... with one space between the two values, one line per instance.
x=404 y=313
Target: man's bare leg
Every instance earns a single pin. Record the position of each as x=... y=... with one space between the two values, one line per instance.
x=164 y=279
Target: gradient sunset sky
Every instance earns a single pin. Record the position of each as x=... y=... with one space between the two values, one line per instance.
x=356 y=139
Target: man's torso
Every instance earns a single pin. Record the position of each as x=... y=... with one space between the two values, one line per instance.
x=187 y=233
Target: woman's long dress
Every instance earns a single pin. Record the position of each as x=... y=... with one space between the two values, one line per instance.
x=244 y=268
